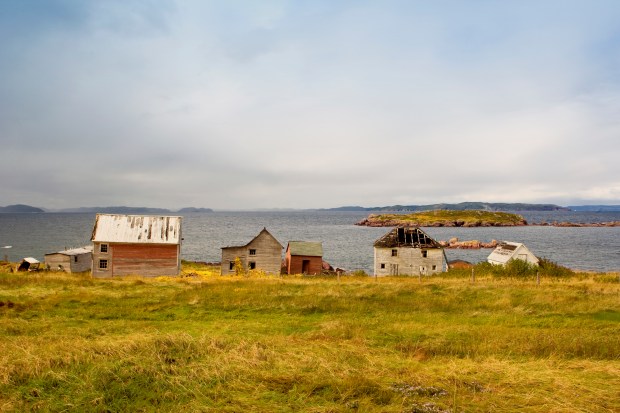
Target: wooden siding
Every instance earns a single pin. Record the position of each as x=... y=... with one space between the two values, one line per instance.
x=267 y=257
x=294 y=264
x=69 y=263
x=148 y=260
x=408 y=261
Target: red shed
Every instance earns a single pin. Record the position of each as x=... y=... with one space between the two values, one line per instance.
x=136 y=245
x=303 y=257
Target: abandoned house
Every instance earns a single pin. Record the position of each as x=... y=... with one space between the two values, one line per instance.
x=136 y=245
x=506 y=251
x=29 y=264
x=263 y=252
x=408 y=251
x=71 y=260
x=304 y=257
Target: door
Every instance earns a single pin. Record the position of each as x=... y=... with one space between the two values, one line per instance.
x=393 y=269
x=305 y=266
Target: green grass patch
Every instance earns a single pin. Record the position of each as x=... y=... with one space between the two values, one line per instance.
x=209 y=343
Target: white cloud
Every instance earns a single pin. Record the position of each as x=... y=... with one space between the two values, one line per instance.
x=235 y=104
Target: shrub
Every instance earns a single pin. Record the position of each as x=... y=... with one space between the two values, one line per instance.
x=551 y=269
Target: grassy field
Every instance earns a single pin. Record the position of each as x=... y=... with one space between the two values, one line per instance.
x=311 y=344
x=442 y=217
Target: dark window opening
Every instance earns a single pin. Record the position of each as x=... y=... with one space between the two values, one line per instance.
x=103 y=264
x=252 y=252
x=75 y=258
x=103 y=248
x=394 y=253
x=382 y=266
x=231 y=265
x=252 y=265
x=424 y=254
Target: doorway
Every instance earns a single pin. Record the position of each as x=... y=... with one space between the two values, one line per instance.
x=305 y=266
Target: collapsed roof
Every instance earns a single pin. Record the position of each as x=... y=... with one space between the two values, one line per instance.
x=412 y=237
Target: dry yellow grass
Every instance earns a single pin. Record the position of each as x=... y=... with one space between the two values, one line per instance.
x=265 y=343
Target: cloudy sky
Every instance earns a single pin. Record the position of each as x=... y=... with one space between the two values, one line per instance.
x=305 y=104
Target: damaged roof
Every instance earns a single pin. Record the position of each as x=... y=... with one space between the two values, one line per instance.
x=412 y=237
x=507 y=250
x=145 y=229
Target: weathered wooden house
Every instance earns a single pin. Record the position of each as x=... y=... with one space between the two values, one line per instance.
x=507 y=251
x=136 y=245
x=71 y=260
x=408 y=251
x=263 y=252
x=304 y=257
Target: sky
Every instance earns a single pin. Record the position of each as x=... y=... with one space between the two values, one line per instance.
x=237 y=104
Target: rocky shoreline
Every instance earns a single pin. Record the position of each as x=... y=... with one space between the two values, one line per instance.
x=578 y=224
x=370 y=222
x=455 y=243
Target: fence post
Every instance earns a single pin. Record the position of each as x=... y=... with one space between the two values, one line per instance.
x=473 y=276
x=537 y=278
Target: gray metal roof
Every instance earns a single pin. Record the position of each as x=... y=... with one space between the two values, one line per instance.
x=306 y=248
x=143 y=229
x=74 y=251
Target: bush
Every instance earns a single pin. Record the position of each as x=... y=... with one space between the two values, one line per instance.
x=549 y=268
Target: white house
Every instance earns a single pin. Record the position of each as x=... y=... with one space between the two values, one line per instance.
x=506 y=251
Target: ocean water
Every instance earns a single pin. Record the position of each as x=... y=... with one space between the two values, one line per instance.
x=345 y=245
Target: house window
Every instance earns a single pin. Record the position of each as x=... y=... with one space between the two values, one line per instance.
x=252 y=252
x=231 y=265
x=434 y=267
x=394 y=253
x=252 y=265
x=103 y=264
x=424 y=254
x=103 y=248
x=382 y=266
x=75 y=258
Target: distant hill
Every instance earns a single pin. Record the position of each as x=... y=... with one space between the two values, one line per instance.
x=463 y=206
x=192 y=209
x=595 y=208
x=119 y=210
x=20 y=209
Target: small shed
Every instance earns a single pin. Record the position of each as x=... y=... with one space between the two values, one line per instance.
x=408 y=251
x=71 y=260
x=263 y=252
x=304 y=257
x=507 y=251
x=29 y=264
x=136 y=245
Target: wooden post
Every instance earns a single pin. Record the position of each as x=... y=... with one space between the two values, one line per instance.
x=473 y=276
x=537 y=278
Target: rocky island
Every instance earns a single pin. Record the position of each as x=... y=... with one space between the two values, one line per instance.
x=445 y=218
